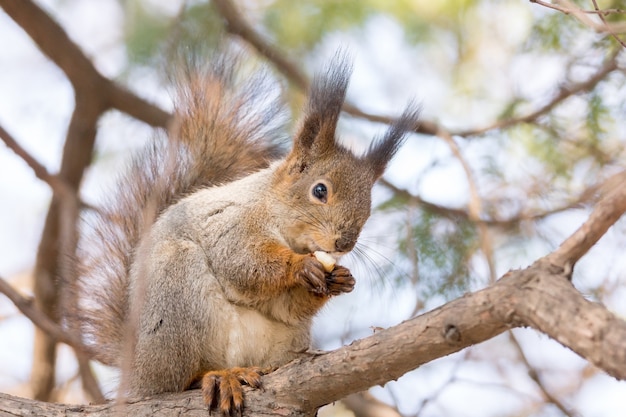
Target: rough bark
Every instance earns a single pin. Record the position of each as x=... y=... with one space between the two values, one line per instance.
x=540 y=296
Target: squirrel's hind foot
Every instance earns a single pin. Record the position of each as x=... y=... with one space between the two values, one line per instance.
x=223 y=390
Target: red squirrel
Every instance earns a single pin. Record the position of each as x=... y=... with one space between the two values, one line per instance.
x=208 y=242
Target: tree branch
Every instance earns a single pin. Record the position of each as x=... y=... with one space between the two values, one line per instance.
x=605 y=213
x=238 y=26
x=539 y=296
x=94 y=94
x=58 y=185
x=606 y=24
x=534 y=375
x=583 y=16
x=563 y=93
x=457 y=213
x=39 y=319
x=54 y=42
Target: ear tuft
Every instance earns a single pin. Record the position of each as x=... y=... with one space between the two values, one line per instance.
x=381 y=151
x=325 y=99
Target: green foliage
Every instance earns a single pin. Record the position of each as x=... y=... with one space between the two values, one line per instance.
x=555 y=32
x=298 y=24
x=145 y=32
x=544 y=147
x=597 y=117
x=444 y=246
x=303 y=24
x=150 y=35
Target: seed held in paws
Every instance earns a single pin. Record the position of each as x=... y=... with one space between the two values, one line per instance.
x=326 y=259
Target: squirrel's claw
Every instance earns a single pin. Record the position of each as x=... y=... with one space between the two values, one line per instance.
x=223 y=390
x=339 y=280
x=322 y=283
x=313 y=275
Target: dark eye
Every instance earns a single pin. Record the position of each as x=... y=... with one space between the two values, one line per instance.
x=320 y=192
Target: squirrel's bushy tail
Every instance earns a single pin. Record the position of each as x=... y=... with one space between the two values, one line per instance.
x=226 y=126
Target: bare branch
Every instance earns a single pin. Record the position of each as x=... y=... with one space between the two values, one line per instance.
x=534 y=375
x=605 y=213
x=364 y=404
x=94 y=94
x=539 y=296
x=601 y=16
x=58 y=185
x=583 y=15
x=39 y=319
x=474 y=208
x=239 y=27
x=506 y=223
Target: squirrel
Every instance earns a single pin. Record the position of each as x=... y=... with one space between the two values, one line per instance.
x=204 y=255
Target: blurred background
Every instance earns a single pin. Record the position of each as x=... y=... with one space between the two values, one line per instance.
x=524 y=110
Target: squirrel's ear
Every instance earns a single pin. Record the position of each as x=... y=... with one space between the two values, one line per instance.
x=316 y=134
x=381 y=151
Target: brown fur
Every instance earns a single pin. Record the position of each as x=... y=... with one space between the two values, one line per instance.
x=212 y=246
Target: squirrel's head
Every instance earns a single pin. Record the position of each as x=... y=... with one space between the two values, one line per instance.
x=323 y=189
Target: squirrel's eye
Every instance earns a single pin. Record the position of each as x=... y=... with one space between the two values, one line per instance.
x=320 y=192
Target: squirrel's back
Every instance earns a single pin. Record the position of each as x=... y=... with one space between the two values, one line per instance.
x=226 y=126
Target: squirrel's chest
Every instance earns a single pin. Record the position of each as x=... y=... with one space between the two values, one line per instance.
x=255 y=340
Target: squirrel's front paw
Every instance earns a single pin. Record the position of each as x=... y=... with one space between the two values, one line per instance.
x=312 y=275
x=339 y=280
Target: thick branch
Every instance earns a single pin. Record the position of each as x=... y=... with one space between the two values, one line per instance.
x=539 y=297
x=94 y=95
x=608 y=210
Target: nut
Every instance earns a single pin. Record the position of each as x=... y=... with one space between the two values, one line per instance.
x=326 y=259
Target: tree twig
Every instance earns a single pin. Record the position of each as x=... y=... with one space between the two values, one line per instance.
x=601 y=16
x=58 y=185
x=534 y=375
x=457 y=213
x=40 y=320
x=563 y=93
x=583 y=15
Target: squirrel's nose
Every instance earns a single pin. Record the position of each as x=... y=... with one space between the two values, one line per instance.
x=344 y=243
